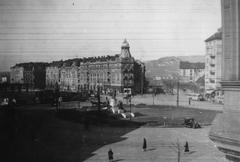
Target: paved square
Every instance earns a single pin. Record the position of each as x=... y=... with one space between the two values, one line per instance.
x=159 y=140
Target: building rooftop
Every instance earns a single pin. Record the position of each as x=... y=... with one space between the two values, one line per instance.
x=189 y=65
x=201 y=80
x=217 y=35
x=56 y=63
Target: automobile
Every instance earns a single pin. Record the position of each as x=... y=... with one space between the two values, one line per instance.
x=220 y=99
x=4 y=102
x=54 y=101
x=195 y=96
x=126 y=96
x=190 y=123
x=210 y=93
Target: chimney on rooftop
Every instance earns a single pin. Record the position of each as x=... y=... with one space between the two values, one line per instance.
x=219 y=30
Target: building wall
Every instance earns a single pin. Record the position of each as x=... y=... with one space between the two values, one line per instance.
x=191 y=75
x=16 y=75
x=109 y=75
x=4 y=77
x=52 y=77
x=28 y=77
x=213 y=66
x=69 y=78
x=39 y=76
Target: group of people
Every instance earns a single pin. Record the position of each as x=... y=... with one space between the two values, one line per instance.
x=110 y=152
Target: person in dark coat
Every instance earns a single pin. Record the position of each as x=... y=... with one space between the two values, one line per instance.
x=144 y=144
x=110 y=155
x=189 y=100
x=186 y=147
x=107 y=100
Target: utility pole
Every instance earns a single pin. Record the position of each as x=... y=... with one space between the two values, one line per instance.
x=127 y=92
x=98 y=96
x=142 y=79
x=178 y=93
x=155 y=87
x=129 y=100
x=154 y=92
x=130 y=109
x=78 y=96
x=57 y=97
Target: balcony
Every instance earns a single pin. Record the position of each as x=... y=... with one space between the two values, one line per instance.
x=212 y=72
x=212 y=80
x=212 y=63
x=212 y=56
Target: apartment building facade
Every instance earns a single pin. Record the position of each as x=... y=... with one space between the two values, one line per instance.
x=33 y=74
x=52 y=75
x=191 y=72
x=109 y=73
x=68 y=75
x=213 y=59
x=16 y=74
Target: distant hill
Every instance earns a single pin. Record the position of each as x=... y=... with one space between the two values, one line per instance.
x=197 y=58
x=166 y=66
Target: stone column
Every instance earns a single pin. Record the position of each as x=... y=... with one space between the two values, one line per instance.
x=226 y=127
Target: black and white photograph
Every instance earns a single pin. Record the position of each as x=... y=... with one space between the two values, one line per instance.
x=120 y=80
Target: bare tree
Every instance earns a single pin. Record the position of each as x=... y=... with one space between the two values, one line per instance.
x=177 y=147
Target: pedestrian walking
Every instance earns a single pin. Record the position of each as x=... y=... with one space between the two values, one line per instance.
x=110 y=155
x=186 y=147
x=189 y=100
x=144 y=144
x=107 y=100
x=84 y=140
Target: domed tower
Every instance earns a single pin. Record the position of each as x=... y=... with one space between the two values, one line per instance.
x=125 y=52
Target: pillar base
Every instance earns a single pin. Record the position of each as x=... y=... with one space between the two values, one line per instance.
x=228 y=143
x=225 y=130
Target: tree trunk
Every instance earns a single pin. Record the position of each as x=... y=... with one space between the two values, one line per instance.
x=178 y=156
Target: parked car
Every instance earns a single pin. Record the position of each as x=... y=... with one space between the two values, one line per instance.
x=210 y=93
x=195 y=96
x=4 y=102
x=220 y=99
x=126 y=96
x=190 y=123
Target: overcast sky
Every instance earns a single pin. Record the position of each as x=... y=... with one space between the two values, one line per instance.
x=51 y=30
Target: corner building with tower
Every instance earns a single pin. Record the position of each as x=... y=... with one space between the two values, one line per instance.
x=115 y=73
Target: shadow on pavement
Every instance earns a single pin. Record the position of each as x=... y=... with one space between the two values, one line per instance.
x=151 y=149
x=118 y=160
x=45 y=135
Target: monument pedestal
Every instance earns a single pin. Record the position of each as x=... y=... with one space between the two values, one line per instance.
x=225 y=131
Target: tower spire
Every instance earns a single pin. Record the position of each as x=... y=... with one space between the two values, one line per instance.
x=125 y=52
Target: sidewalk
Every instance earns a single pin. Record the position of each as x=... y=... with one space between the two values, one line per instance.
x=159 y=140
x=167 y=99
